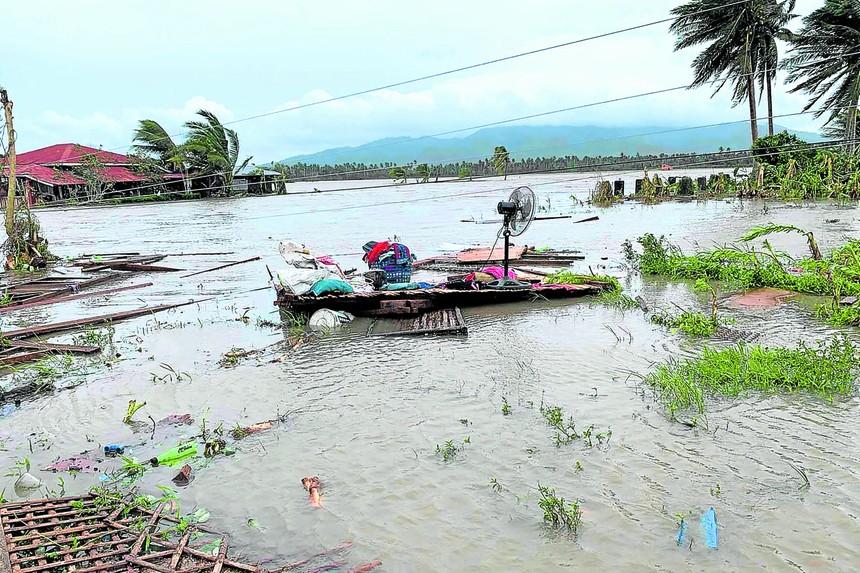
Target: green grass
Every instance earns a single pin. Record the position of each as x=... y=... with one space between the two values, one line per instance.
x=828 y=369
x=744 y=267
x=692 y=323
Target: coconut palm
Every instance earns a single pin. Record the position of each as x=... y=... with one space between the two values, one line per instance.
x=824 y=62
x=741 y=45
x=500 y=160
x=773 y=17
x=153 y=141
x=214 y=149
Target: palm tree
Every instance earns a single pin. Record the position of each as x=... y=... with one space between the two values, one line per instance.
x=835 y=129
x=214 y=149
x=500 y=160
x=741 y=45
x=152 y=140
x=824 y=62
x=773 y=16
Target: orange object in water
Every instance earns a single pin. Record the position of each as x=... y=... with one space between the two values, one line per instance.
x=312 y=485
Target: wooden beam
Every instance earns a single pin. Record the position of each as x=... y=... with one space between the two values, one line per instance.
x=221 y=267
x=73 y=324
x=31 y=302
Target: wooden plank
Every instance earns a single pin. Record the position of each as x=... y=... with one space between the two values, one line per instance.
x=72 y=324
x=221 y=267
x=23 y=357
x=140 y=267
x=31 y=302
x=497 y=254
x=54 y=347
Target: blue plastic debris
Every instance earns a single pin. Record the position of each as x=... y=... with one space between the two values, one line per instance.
x=682 y=530
x=709 y=528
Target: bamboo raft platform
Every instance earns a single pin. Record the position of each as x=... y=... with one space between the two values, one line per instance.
x=446 y=321
x=414 y=302
x=89 y=534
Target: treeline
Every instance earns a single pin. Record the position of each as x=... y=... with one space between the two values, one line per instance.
x=488 y=167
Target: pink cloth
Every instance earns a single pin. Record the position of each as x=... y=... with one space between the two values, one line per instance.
x=499 y=272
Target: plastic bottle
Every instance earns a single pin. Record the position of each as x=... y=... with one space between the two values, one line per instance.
x=114 y=450
x=175 y=454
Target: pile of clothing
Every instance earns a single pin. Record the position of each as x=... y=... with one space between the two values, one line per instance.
x=307 y=273
x=392 y=257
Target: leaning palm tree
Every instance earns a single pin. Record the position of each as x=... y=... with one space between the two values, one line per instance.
x=741 y=46
x=214 y=149
x=824 y=62
x=152 y=140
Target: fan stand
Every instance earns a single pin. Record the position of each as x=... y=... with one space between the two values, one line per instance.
x=507 y=234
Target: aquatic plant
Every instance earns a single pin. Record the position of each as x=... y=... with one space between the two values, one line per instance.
x=828 y=369
x=565 y=430
x=506 y=408
x=558 y=512
x=450 y=450
x=745 y=267
x=564 y=277
x=133 y=406
x=688 y=322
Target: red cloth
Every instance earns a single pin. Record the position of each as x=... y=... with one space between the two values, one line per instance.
x=377 y=251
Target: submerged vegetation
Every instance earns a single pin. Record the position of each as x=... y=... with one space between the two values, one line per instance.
x=829 y=369
x=557 y=512
x=746 y=267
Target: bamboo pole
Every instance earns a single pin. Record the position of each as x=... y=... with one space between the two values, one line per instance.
x=10 y=132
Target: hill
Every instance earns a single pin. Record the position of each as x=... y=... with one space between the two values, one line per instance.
x=543 y=141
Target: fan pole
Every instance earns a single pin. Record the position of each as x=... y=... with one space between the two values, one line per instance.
x=507 y=234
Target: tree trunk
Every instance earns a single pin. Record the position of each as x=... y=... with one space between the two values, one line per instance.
x=851 y=128
x=769 y=105
x=751 y=98
x=10 y=130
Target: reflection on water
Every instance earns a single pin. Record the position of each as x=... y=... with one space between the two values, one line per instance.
x=365 y=413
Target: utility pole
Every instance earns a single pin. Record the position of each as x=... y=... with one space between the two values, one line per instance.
x=10 y=131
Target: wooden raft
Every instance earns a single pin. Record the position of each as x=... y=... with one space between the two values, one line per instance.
x=445 y=321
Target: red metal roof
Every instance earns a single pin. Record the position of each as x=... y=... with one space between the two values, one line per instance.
x=45 y=175
x=59 y=177
x=65 y=153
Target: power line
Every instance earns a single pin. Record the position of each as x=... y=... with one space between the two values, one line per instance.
x=463 y=68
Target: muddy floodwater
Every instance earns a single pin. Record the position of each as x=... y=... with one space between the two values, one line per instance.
x=366 y=413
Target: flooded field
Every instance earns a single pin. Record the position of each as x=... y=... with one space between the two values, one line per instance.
x=365 y=414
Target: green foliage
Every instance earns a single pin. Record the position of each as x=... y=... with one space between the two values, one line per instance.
x=500 y=160
x=451 y=450
x=692 y=323
x=781 y=148
x=557 y=512
x=566 y=432
x=398 y=174
x=464 y=172
x=564 y=277
x=133 y=407
x=506 y=408
x=422 y=172
x=748 y=268
x=828 y=369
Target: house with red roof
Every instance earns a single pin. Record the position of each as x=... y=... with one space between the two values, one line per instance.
x=63 y=171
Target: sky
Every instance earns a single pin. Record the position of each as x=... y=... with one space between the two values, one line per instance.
x=88 y=72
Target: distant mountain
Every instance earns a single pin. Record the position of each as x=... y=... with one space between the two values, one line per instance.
x=543 y=141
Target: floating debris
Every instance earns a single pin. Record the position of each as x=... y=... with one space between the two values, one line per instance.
x=312 y=486
x=74 y=464
x=184 y=476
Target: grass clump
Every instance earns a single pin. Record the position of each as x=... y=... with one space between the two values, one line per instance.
x=688 y=322
x=746 y=267
x=828 y=369
x=565 y=430
x=611 y=294
x=558 y=512
x=451 y=450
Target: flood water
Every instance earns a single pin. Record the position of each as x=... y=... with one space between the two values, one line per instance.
x=366 y=413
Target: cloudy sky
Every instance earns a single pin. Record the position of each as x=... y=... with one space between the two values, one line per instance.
x=87 y=72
